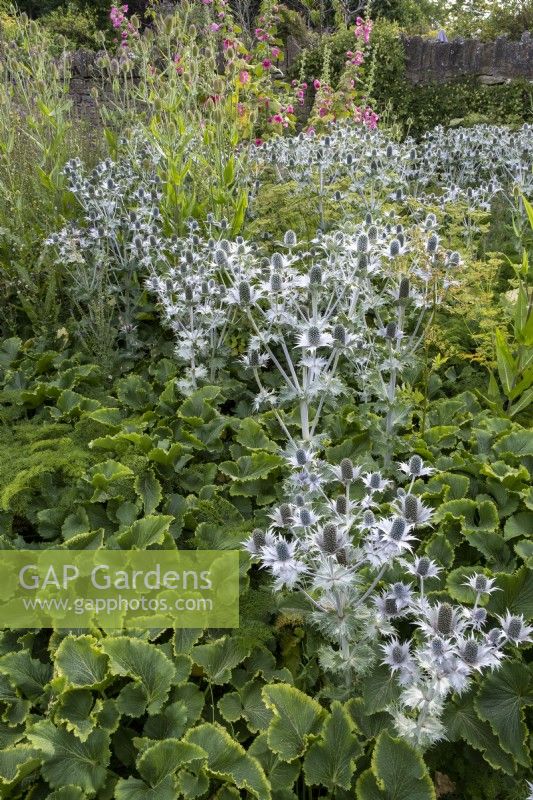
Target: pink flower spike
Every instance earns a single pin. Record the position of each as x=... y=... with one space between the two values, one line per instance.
x=316 y=83
x=214 y=27
x=267 y=63
x=244 y=77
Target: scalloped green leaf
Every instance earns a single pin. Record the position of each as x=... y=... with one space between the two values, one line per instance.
x=149 y=490
x=80 y=662
x=228 y=760
x=145 y=532
x=398 y=773
x=251 y=468
x=297 y=720
x=462 y=722
x=143 y=662
x=65 y=756
x=501 y=702
x=330 y=762
x=219 y=658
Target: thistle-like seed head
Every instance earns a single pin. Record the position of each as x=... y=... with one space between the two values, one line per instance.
x=389 y=151
x=299 y=500
x=305 y=517
x=259 y=538
x=394 y=248
x=445 y=619
x=286 y=514
x=454 y=259
x=301 y=457
x=189 y=257
x=315 y=275
x=470 y=652
x=415 y=465
x=422 y=568
x=391 y=606
x=253 y=358
x=368 y=518
x=282 y=551
x=339 y=334
x=313 y=336
x=275 y=282
x=221 y=258
x=410 y=507
x=403 y=291
x=391 y=330
x=375 y=480
x=433 y=243
x=245 y=294
x=289 y=240
x=362 y=243
x=188 y=293
x=347 y=473
x=481 y=583
x=397 y=529
x=397 y=654
x=514 y=628
x=276 y=261
x=372 y=234
x=329 y=538
x=341 y=504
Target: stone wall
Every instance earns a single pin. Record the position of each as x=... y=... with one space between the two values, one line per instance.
x=430 y=61
x=427 y=61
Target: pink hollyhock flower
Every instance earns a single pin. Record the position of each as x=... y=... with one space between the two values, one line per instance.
x=275 y=52
x=322 y=111
x=267 y=63
x=316 y=83
x=207 y=2
x=289 y=110
x=214 y=27
x=357 y=59
x=228 y=44
x=244 y=77
x=258 y=142
x=277 y=119
x=241 y=109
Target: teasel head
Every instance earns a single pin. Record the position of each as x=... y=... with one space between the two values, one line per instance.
x=313 y=336
x=341 y=505
x=259 y=538
x=422 y=567
x=305 y=517
x=403 y=291
x=432 y=243
x=369 y=518
x=253 y=359
x=410 y=507
x=347 y=471
x=394 y=248
x=290 y=240
x=329 y=538
x=315 y=275
x=221 y=258
x=445 y=619
x=391 y=330
x=276 y=283
x=397 y=529
x=362 y=263
x=373 y=234
x=285 y=512
x=245 y=295
x=362 y=243
x=339 y=334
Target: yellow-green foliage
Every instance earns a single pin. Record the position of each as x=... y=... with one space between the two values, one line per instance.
x=30 y=453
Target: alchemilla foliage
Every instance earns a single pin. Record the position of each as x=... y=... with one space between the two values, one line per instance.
x=229 y=325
